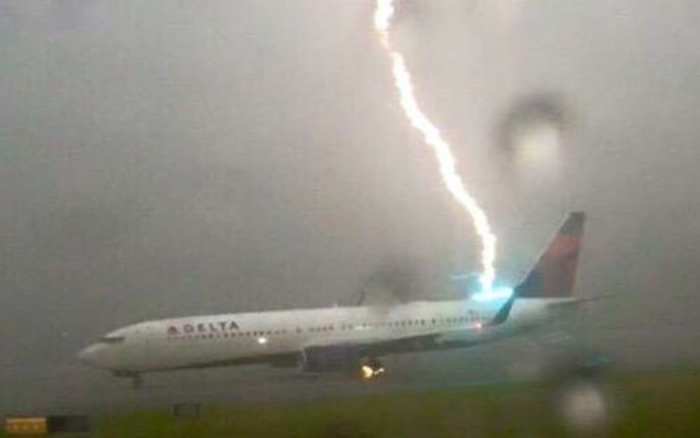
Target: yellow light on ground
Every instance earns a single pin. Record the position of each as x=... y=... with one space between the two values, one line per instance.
x=26 y=426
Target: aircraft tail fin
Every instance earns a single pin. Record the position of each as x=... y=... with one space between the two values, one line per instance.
x=554 y=274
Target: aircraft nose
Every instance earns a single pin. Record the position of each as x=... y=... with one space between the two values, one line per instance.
x=88 y=355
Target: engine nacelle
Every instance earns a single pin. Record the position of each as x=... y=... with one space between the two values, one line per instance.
x=330 y=359
x=333 y=359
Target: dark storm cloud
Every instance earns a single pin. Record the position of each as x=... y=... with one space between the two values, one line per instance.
x=169 y=158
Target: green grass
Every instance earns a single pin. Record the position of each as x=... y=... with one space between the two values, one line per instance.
x=646 y=405
x=449 y=414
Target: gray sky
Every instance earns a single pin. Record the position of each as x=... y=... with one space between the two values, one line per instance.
x=167 y=158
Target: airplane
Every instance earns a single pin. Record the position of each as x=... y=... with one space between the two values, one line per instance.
x=348 y=339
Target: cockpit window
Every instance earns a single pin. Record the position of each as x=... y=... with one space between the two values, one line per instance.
x=112 y=339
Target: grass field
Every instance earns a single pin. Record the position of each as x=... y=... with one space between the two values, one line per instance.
x=649 y=405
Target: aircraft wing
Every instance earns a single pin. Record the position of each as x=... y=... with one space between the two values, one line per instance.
x=381 y=346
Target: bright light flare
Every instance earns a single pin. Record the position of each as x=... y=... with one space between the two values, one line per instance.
x=495 y=294
x=368 y=372
x=383 y=14
x=432 y=136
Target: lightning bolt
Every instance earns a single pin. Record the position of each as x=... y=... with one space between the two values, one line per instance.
x=443 y=153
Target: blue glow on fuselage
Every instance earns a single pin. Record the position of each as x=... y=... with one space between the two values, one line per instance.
x=497 y=293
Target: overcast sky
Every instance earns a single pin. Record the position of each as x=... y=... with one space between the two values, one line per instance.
x=167 y=158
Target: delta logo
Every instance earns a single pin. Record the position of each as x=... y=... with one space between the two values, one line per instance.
x=203 y=327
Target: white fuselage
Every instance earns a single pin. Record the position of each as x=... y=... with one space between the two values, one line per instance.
x=201 y=341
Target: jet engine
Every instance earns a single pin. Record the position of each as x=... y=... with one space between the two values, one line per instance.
x=330 y=359
x=340 y=359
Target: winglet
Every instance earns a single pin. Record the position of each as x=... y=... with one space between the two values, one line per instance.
x=502 y=315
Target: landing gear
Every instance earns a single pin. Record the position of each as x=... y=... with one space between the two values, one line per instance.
x=136 y=381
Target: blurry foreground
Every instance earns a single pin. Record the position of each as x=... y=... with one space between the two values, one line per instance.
x=645 y=404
